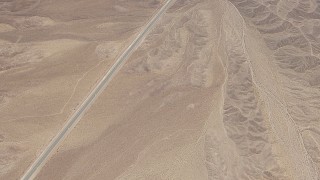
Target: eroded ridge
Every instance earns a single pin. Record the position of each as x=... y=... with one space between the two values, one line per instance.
x=243 y=119
x=290 y=85
x=224 y=89
x=155 y=128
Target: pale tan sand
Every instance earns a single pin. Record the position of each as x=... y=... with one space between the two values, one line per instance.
x=219 y=90
x=190 y=104
x=51 y=55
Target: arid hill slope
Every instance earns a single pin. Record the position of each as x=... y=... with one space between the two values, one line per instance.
x=219 y=90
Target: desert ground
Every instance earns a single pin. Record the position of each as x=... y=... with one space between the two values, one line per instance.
x=52 y=53
x=218 y=90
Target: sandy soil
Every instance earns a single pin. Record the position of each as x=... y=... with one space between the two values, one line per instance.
x=219 y=90
x=51 y=55
x=203 y=99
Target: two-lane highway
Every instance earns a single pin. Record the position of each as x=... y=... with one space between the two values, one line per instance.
x=75 y=118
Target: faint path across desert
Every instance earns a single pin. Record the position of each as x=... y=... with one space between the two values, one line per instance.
x=75 y=118
x=302 y=163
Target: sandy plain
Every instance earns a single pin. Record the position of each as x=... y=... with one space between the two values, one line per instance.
x=52 y=53
x=224 y=89
x=219 y=90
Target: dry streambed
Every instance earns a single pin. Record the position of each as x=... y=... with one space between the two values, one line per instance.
x=218 y=90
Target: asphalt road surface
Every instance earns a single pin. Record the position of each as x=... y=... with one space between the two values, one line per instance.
x=75 y=118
